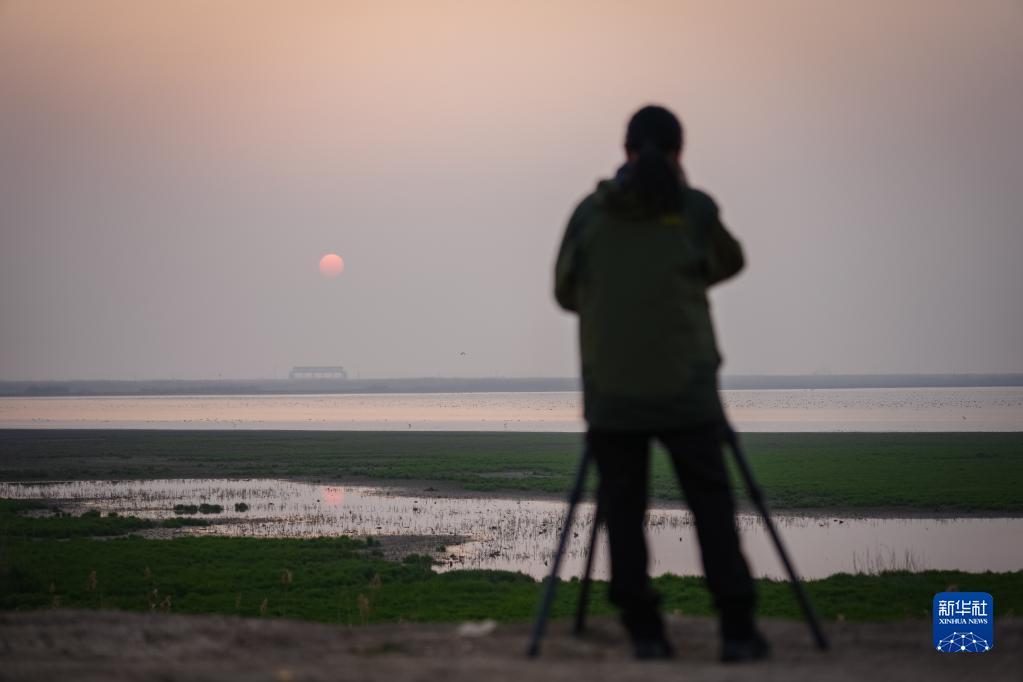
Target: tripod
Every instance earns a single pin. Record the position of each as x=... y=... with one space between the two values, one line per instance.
x=756 y=495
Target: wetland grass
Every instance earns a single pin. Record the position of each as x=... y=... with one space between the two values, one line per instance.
x=13 y=524
x=946 y=472
x=50 y=562
x=345 y=580
x=340 y=580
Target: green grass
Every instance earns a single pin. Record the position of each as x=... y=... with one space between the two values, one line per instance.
x=343 y=580
x=88 y=524
x=947 y=472
x=329 y=577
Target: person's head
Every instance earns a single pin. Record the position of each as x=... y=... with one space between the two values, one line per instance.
x=653 y=146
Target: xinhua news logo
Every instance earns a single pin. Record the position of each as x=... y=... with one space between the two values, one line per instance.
x=964 y=622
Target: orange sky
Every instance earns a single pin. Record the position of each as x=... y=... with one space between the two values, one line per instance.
x=438 y=144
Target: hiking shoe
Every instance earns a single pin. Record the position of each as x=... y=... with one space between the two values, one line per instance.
x=745 y=649
x=652 y=649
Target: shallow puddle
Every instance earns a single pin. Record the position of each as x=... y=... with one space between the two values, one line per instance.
x=520 y=535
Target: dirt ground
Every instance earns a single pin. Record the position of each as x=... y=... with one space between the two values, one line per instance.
x=114 y=646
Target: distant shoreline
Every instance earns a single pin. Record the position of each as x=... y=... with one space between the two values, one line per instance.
x=141 y=387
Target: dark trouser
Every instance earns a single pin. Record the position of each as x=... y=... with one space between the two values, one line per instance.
x=623 y=462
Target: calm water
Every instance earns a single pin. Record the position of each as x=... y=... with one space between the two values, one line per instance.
x=520 y=535
x=873 y=409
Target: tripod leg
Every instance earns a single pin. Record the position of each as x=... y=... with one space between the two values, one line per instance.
x=757 y=495
x=548 y=594
x=584 y=588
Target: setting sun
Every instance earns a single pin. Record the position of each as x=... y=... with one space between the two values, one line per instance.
x=331 y=265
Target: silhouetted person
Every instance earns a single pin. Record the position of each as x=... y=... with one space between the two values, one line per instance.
x=636 y=261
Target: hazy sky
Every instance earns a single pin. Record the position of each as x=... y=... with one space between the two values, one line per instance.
x=172 y=172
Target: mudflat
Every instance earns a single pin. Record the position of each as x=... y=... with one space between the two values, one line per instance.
x=116 y=646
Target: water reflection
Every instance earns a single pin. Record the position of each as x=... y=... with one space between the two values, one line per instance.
x=332 y=496
x=520 y=535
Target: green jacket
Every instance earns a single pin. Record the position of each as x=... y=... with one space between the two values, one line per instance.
x=639 y=284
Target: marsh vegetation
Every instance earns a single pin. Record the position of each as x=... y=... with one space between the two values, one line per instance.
x=316 y=553
x=933 y=472
x=346 y=580
x=518 y=534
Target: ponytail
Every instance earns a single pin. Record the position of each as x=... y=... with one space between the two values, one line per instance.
x=654 y=135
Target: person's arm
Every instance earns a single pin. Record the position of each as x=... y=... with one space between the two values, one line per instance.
x=725 y=258
x=724 y=253
x=566 y=270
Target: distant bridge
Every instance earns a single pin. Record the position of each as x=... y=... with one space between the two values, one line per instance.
x=316 y=372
